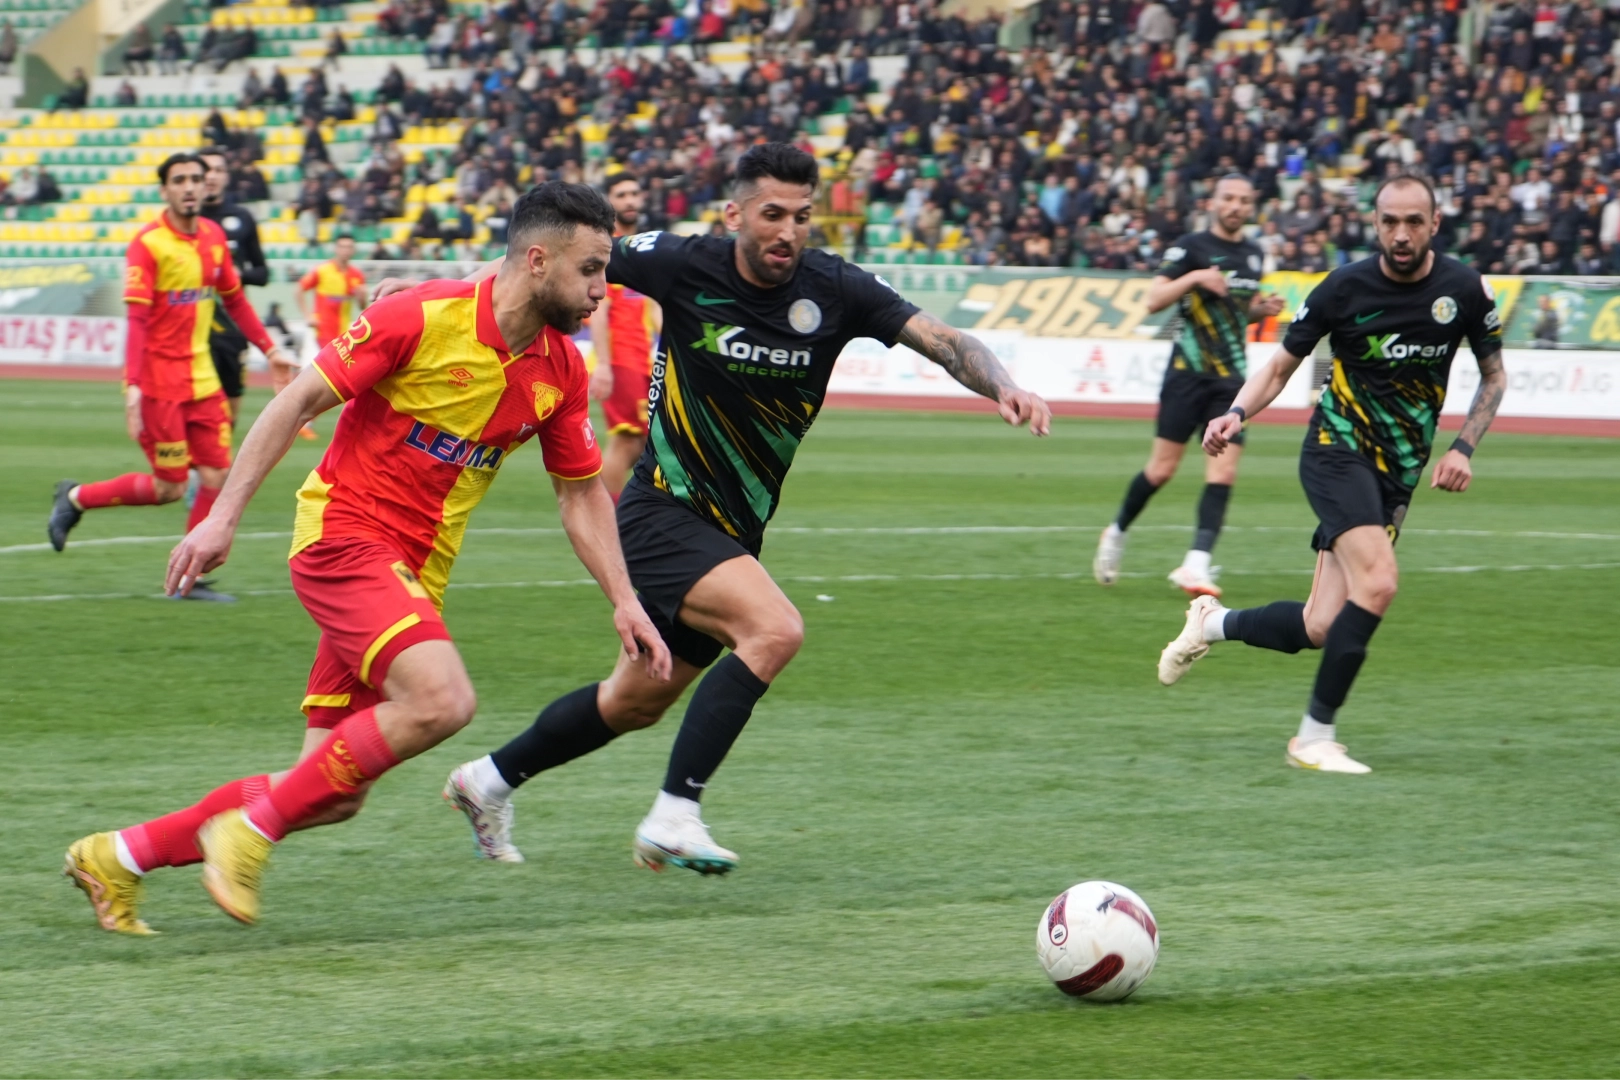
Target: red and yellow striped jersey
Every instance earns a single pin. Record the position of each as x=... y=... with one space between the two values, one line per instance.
x=182 y=278
x=630 y=329
x=334 y=292
x=436 y=403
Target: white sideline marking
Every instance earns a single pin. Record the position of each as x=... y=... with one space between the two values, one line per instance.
x=884 y=530
x=817 y=579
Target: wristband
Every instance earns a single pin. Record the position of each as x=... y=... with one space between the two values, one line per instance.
x=1463 y=447
x=1242 y=414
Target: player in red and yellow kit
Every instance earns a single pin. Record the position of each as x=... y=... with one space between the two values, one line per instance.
x=442 y=383
x=622 y=334
x=179 y=267
x=340 y=291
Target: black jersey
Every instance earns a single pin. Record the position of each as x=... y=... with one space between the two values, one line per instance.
x=740 y=372
x=242 y=237
x=1214 y=329
x=1393 y=343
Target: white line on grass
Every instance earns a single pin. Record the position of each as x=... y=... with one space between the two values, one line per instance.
x=883 y=530
x=820 y=579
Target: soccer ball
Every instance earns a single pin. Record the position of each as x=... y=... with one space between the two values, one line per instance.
x=1098 y=941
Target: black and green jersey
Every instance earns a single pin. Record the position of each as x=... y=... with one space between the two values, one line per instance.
x=1214 y=329
x=1393 y=343
x=740 y=371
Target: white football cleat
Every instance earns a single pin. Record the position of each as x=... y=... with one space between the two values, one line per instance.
x=490 y=817
x=1110 y=553
x=1323 y=755
x=1189 y=645
x=1194 y=583
x=680 y=839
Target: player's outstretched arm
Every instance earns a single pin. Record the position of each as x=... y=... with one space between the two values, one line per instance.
x=208 y=545
x=1454 y=471
x=1165 y=291
x=971 y=363
x=587 y=518
x=1260 y=390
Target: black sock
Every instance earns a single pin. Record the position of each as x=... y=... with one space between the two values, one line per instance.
x=568 y=728
x=1136 y=500
x=1279 y=626
x=716 y=715
x=1342 y=654
x=1211 y=515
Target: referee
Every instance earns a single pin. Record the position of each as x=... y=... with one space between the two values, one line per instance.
x=227 y=343
x=1394 y=321
x=1213 y=279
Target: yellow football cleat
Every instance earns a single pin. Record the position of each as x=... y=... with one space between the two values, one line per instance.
x=92 y=864
x=234 y=857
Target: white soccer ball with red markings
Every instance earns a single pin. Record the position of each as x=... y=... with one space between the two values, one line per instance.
x=1098 y=941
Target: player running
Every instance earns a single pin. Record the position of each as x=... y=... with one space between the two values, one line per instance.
x=225 y=340
x=1213 y=278
x=339 y=292
x=622 y=333
x=179 y=268
x=1394 y=321
x=753 y=326
x=442 y=383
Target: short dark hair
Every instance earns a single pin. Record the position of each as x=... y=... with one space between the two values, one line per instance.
x=1237 y=176
x=177 y=159
x=213 y=151
x=559 y=206
x=1404 y=177
x=620 y=176
x=779 y=161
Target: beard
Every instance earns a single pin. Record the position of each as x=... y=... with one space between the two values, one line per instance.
x=557 y=312
x=755 y=257
x=627 y=218
x=1413 y=262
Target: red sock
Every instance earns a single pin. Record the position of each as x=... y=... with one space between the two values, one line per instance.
x=354 y=753
x=171 y=840
x=131 y=489
x=200 y=508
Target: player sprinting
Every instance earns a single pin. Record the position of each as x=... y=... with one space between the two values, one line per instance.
x=1394 y=321
x=1213 y=278
x=752 y=329
x=329 y=296
x=225 y=340
x=442 y=383
x=178 y=268
x=622 y=332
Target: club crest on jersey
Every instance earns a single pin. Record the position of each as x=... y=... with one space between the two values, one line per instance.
x=134 y=277
x=453 y=449
x=358 y=333
x=805 y=316
x=1444 y=310
x=546 y=399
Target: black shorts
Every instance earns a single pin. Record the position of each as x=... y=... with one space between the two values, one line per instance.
x=667 y=549
x=1188 y=401
x=227 y=350
x=1345 y=490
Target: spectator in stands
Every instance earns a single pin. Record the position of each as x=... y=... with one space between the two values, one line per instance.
x=314 y=157
x=139 y=52
x=252 y=91
x=277 y=92
x=126 y=97
x=8 y=46
x=336 y=48
x=171 y=50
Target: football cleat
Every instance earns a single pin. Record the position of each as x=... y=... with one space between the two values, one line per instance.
x=307 y=432
x=204 y=590
x=1110 y=553
x=1194 y=583
x=234 y=857
x=64 y=515
x=1189 y=646
x=490 y=818
x=92 y=864
x=680 y=840
x=1323 y=755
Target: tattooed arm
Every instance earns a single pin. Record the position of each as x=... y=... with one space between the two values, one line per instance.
x=971 y=363
x=1453 y=471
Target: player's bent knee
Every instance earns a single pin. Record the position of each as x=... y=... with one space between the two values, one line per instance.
x=783 y=636
x=167 y=491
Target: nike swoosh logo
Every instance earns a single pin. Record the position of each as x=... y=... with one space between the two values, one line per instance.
x=1363 y=318
x=704 y=300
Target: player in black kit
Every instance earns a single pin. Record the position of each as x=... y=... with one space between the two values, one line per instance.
x=226 y=342
x=1394 y=322
x=1213 y=278
x=752 y=328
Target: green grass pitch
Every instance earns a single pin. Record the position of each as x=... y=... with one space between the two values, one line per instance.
x=972 y=726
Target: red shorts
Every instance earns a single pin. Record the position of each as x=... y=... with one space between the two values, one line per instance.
x=370 y=608
x=179 y=434
x=626 y=407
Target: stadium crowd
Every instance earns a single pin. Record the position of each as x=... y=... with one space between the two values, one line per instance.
x=1094 y=146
